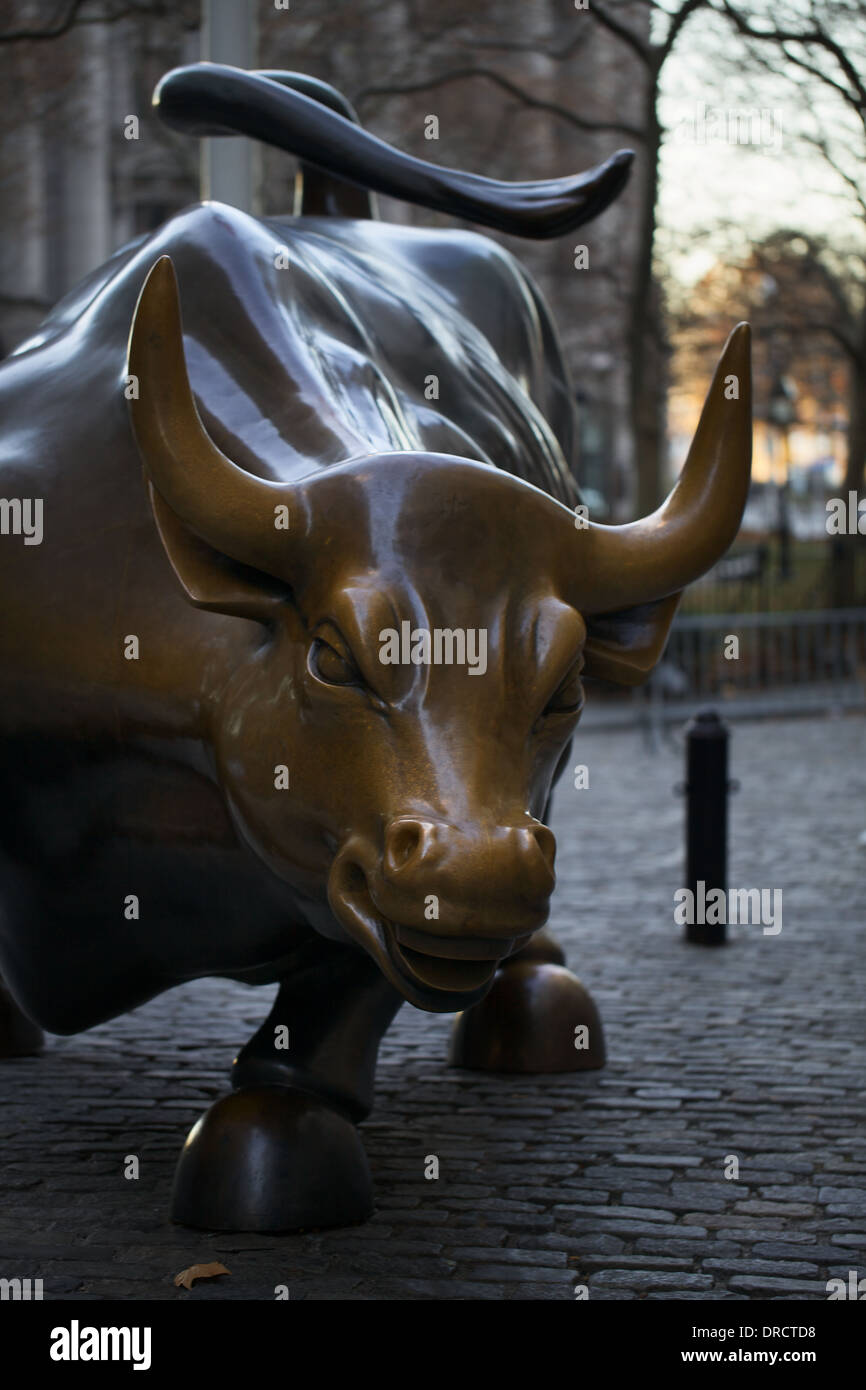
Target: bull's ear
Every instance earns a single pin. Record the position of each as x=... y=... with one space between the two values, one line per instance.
x=624 y=646
x=212 y=580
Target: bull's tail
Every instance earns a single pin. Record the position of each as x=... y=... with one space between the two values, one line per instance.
x=311 y=120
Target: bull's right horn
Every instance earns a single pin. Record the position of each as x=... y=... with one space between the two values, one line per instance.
x=617 y=567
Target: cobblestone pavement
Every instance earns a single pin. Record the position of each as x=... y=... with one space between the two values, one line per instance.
x=612 y=1179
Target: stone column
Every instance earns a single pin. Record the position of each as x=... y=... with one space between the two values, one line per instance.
x=229 y=164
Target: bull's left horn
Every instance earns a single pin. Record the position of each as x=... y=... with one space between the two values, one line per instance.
x=229 y=508
x=659 y=555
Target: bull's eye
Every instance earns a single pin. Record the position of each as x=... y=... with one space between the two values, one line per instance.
x=332 y=666
x=568 y=696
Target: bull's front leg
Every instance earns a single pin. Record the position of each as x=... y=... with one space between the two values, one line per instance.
x=281 y=1152
x=536 y=1017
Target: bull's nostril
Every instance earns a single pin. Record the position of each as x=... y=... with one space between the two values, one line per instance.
x=402 y=842
x=354 y=878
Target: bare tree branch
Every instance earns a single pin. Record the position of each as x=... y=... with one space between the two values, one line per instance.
x=52 y=31
x=820 y=144
x=506 y=85
x=682 y=15
x=73 y=18
x=515 y=46
x=643 y=50
x=818 y=37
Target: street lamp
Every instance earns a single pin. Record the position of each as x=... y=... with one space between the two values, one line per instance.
x=782 y=413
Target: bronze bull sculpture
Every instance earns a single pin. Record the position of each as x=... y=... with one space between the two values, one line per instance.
x=291 y=709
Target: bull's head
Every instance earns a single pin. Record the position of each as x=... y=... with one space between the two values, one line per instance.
x=416 y=790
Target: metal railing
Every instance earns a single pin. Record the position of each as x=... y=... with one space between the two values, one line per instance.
x=750 y=580
x=781 y=663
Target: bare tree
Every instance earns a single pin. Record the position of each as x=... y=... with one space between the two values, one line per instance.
x=645 y=33
x=820 y=48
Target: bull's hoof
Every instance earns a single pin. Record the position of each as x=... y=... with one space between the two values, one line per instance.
x=537 y=1017
x=19 y=1036
x=267 y=1158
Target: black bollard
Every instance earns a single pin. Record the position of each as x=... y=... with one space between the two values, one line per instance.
x=706 y=819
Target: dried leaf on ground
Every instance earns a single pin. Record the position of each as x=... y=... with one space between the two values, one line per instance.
x=187 y=1277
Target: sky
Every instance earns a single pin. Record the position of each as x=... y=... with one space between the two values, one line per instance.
x=708 y=176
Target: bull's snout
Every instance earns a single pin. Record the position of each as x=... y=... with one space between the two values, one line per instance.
x=426 y=856
x=439 y=905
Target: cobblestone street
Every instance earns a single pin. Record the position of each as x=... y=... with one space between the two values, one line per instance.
x=614 y=1180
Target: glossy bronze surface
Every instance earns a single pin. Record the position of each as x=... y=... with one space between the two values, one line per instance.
x=272 y=1159
x=19 y=1037
x=227 y=746
x=535 y=1018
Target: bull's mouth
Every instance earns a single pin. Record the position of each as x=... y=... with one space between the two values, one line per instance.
x=438 y=973
x=460 y=964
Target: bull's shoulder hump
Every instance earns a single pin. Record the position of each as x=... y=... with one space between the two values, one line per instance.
x=445 y=251
x=193 y=237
